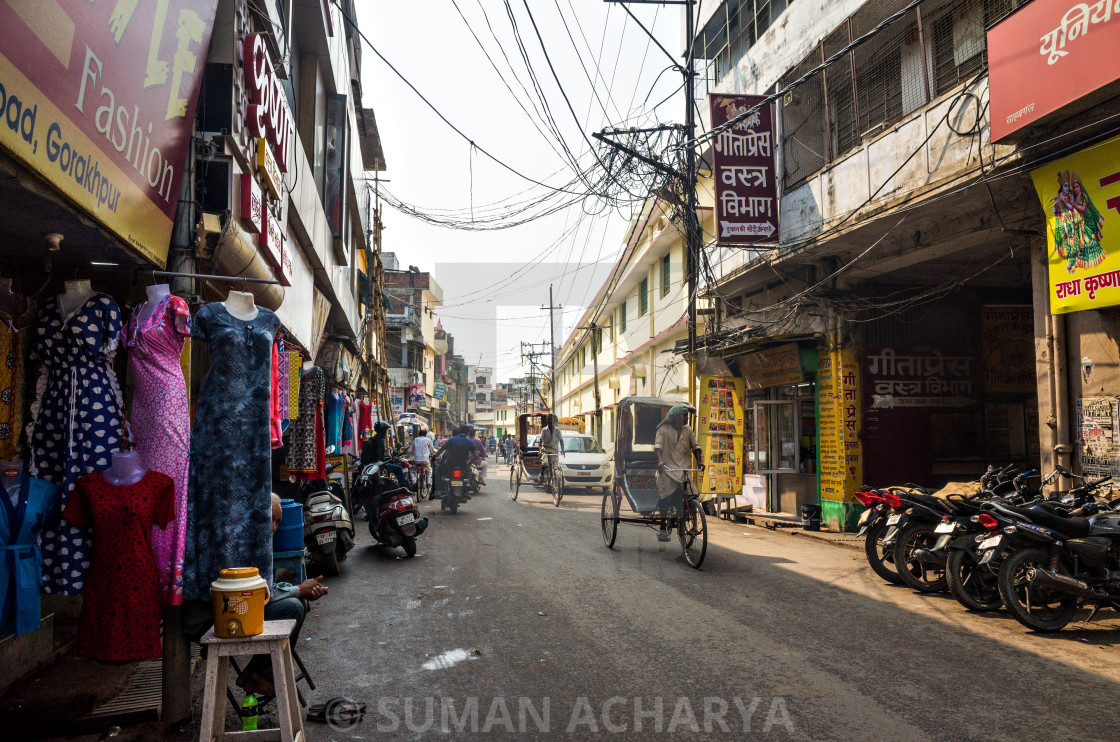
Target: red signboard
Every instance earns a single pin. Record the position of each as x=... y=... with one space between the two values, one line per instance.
x=252 y=206
x=745 y=182
x=103 y=97
x=1048 y=54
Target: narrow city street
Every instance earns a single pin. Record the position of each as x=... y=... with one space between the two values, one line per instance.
x=518 y=607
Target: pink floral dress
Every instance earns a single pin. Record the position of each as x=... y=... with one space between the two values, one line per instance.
x=161 y=423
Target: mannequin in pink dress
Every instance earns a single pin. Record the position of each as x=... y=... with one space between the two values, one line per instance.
x=160 y=420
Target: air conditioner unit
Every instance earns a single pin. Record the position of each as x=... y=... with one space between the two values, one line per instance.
x=614 y=383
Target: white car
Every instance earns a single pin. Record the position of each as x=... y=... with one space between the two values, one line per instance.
x=585 y=463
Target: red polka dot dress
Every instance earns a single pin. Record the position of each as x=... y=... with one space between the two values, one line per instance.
x=121 y=610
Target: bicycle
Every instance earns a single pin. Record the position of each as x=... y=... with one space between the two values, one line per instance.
x=423 y=481
x=551 y=478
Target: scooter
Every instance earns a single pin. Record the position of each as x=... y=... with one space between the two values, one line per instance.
x=394 y=518
x=328 y=531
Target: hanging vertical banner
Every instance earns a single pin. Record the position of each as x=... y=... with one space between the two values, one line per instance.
x=840 y=417
x=744 y=172
x=1077 y=192
x=396 y=398
x=720 y=434
x=99 y=99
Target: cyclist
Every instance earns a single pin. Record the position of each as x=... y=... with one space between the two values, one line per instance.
x=675 y=446
x=551 y=445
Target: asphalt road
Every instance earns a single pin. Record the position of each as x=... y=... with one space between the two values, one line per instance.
x=518 y=611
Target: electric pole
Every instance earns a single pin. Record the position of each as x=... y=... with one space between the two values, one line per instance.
x=552 y=336
x=596 y=340
x=692 y=226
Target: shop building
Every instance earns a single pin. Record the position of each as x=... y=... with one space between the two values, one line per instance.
x=234 y=160
x=888 y=335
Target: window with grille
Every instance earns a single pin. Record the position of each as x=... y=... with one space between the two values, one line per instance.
x=730 y=33
x=643 y=297
x=622 y=318
x=666 y=274
x=896 y=71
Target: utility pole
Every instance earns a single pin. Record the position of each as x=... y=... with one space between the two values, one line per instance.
x=595 y=338
x=692 y=226
x=552 y=348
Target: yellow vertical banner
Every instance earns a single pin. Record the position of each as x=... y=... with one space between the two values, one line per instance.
x=840 y=419
x=720 y=434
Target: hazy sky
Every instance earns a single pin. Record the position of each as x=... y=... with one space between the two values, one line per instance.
x=493 y=296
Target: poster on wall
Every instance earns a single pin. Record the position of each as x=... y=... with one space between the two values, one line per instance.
x=1007 y=332
x=416 y=396
x=720 y=434
x=1096 y=436
x=396 y=398
x=99 y=100
x=1082 y=240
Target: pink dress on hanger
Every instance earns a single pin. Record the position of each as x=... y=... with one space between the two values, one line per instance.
x=160 y=426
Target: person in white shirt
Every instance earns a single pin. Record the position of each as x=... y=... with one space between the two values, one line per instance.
x=552 y=443
x=422 y=454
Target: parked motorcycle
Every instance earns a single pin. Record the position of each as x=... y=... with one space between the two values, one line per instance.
x=328 y=531
x=394 y=519
x=1055 y=557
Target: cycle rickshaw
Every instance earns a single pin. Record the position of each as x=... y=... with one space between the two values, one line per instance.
x=529 y=459
x=635 y=479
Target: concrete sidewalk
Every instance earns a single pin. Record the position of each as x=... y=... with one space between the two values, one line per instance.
x=791 y=526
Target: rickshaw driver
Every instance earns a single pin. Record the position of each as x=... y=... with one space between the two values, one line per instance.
x=675 y=445
x=552 y=443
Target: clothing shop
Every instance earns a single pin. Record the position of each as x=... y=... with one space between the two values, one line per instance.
x=175 y=348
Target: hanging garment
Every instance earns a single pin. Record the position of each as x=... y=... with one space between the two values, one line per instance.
x=122 y=604
x=12 y=369
x=347 y=422
x=276 y=433
x=75 y=420
x=21 y=573
x=161 y=424
x=335 y=413
x=283 y=376
x=305 y=437
x=295 y=370
x=365 y=421
x=229 y=510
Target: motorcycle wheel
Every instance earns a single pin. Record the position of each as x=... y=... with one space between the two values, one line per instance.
x=453 y=503
x=409 y=546
x=1034 y=606
x=881 y=559
x=975 y=586
x=923 y=577
x=328 y=564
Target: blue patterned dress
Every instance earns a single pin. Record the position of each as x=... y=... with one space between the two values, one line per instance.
x=75 y=421
x=229 y=504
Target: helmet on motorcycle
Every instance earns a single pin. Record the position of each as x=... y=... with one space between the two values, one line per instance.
x=380 y=426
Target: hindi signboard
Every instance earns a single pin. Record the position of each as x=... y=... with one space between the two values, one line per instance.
x=777 y=366
x=99 y=100
x=1048 y=55
x=1083 y=244
x=744 y=171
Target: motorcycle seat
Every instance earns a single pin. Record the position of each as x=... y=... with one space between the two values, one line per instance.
x=1071 y=527
x=944 y=506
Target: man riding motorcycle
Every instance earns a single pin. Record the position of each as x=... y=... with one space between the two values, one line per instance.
x=455 y=453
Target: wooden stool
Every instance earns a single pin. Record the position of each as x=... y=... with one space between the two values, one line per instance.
x=291 y=560
x=273 y=641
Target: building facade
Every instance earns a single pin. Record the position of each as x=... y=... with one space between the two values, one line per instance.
x=889 y=335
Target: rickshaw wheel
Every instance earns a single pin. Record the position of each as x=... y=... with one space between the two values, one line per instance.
x=610 y=519
x=692 y=528
x=514 y=481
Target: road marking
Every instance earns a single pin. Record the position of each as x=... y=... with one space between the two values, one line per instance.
x=50 y=23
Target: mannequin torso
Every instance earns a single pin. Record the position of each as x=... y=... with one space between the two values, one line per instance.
x=125 y=469
x=74 y=296
x=156 y=294
x=241 y=305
